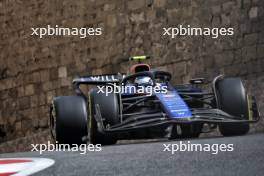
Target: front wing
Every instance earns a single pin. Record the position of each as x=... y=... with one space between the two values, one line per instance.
x=139 y=121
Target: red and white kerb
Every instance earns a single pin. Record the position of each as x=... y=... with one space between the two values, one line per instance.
x=23 y=166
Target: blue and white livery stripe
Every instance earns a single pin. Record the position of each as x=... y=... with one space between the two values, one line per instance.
x=174 y=105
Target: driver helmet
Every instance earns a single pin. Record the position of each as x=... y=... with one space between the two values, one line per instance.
x=143 y=81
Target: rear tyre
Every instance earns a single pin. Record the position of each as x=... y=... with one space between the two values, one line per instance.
x=109 y=109
x=232 y=99
x=68 y=119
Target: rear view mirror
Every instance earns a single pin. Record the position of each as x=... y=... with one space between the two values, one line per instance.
x=197 y=81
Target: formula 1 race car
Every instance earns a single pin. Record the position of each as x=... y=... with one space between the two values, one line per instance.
x=144 y=104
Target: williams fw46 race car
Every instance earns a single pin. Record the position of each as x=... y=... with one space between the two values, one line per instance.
x=144 y=104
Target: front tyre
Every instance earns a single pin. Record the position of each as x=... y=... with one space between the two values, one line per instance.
x=109 y=110
x=232 y=99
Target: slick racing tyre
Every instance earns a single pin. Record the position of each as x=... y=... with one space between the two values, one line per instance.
x=68 y=119
x=109 y=111
x=232 y=99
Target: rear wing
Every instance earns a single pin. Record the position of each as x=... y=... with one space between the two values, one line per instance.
x=96 y=80
x=99 y=79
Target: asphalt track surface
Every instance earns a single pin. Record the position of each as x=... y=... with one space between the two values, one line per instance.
x=148 y=158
